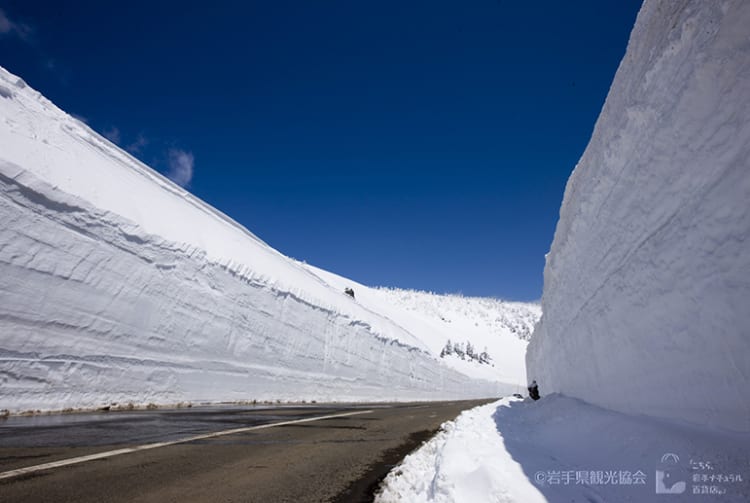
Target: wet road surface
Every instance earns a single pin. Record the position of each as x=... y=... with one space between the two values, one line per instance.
x=340 y=458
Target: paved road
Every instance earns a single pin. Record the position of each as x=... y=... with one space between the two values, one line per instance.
x=338 y=459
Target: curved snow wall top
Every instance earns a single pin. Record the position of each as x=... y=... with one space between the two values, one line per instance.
x=646 y=286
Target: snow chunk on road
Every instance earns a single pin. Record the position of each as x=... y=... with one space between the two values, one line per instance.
x=561 y=449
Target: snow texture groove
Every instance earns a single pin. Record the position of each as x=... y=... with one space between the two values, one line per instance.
x=647 y=280
x=118 y=286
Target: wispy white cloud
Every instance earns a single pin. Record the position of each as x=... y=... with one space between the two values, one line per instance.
x=113 y=135
x=181 y=164
x=11 y=28
x=116 y=136
x=137 y=145
x=15 y=29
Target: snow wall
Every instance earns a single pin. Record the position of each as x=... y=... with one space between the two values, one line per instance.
x=117 y=286
x=646 y=304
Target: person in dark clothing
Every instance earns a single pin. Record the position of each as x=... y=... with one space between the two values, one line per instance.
x=534 y=390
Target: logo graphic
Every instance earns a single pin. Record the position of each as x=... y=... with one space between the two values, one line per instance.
x=670 y=476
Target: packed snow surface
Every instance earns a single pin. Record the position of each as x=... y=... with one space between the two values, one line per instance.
x=560 y=450
x=118 y=286
x=500 y=327
x=647 y=282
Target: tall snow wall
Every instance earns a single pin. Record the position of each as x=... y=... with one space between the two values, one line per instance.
x=646 y=304
x=117 y=286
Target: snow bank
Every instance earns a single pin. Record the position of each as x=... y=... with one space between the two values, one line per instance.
x=118 y=286
x=465 y=462
x=560 y=450
x=647 y=282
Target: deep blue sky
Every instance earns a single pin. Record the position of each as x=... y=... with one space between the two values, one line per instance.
x=419 y=144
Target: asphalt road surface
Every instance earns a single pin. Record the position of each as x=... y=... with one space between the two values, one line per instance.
x=212 y=454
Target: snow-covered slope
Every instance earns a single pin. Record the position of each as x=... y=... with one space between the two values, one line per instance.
x=117 y=285
x=647 y=282
x=500 y=327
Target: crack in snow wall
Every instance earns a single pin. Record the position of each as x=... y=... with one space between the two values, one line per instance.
x=94 y=311
x=646 y=286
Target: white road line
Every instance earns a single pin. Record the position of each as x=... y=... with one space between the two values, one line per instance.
x=108 y=454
